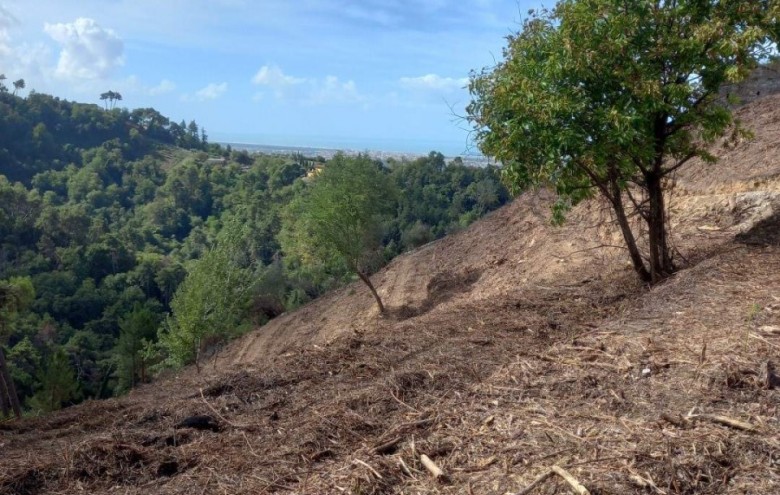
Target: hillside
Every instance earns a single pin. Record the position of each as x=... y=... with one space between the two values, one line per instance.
x=511 y=346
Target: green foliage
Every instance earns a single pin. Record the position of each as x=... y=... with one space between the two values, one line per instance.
x=136 y=330
x=208 y=306
x=58 y=385
x=338 y=219
x=597 y=95
x=103 y=217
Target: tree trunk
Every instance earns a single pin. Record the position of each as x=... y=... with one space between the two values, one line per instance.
x=3 y=398
x=9 y=386
x=628 y=235
x=367 y=281
x=660 y=258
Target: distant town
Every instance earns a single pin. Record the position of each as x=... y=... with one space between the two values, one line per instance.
x=473 y=160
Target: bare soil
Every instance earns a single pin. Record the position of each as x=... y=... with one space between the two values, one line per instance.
x=509 y=348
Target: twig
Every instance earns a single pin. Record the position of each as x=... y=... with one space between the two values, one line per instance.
x=539 y=480
x=358 y=461
x=405 y=468
x=234 y=425
x=571 y=480
x=386 y=447
x=403 y=403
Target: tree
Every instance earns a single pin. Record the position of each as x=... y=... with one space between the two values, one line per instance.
x=136 y=329
x=58 y=384
x=339 y=217
x=15 y=295
x=110 y=98
x=209 y=304
x=3 y=88
x=18 y=84
x=611 y=97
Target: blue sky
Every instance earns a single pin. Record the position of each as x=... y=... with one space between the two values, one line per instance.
x=370 y=74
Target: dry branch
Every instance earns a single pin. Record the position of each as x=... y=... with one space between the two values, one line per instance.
x=723 y=420
x=539 y=480
x=364 y=464
x=571 y=480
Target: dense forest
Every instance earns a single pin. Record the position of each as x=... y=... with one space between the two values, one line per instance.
x=114 y=223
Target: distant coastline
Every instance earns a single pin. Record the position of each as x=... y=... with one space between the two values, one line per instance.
x=313 y=151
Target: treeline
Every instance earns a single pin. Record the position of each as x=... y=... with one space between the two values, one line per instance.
x=108 y=225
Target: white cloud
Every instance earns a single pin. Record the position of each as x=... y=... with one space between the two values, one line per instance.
x=88 y=51
x=309 y=91
x=333 y=90
x=165 y=86
x=273 y=77
x=7 y=20
x=434 y=82
x=211 y=91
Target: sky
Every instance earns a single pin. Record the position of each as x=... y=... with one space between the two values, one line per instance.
x=357 y=74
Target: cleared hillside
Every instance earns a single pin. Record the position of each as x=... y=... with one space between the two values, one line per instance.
x=511 y=347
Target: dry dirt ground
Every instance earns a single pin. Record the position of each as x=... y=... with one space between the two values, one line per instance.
x=511 y=348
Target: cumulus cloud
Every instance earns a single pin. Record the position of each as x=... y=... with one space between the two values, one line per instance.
x=272 y=76
x=331 y=90
x=88 y=51
x=310 y=91
x=165 y=86
x=212 y=91
x=434 y=82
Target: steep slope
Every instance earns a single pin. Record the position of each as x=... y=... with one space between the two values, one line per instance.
x=511 y=347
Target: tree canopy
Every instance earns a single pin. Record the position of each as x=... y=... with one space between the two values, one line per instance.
x=105 y=214
x=340 y=217
x=611 y=97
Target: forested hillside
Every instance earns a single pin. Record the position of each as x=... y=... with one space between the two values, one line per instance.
x=104 y=212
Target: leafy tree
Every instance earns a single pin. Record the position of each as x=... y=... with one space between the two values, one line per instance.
x=58 y=384
x=109 y=99
x=15 y=295
x=18 y=84
x=136 y=329
x=611 y=97
x=209 y=303
x=339 y=217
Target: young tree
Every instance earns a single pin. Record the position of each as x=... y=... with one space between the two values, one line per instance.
x=58 y=385
x=612 y=97
x=339 y=216
x=209 y=304
x=136 y=330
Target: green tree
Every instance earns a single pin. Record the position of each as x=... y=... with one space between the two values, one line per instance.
x=58 y=385
x=136 y=329
x=18 y=84
x=612 y=97
x=209 y=304
x=15 y=295
x=339 y=217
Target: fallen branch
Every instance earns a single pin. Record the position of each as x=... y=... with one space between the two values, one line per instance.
x=571 y=480
x=723 y=420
